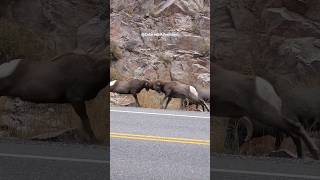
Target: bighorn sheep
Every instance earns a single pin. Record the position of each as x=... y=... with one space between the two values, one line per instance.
x=69 y=78
x=301 y=104
x=132 y=86
x=175 y=89
x=301 y=99
x=203 y=93
x=236 y=95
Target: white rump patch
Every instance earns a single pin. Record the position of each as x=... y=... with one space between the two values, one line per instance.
x=112 y=82
x=6 y=69
x=193 y=91
x=266 y=92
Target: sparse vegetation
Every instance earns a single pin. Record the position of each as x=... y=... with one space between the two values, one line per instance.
x=205 y=48
x=115 y=51
x=195 y=28
x=114 y=74
x=164 y=59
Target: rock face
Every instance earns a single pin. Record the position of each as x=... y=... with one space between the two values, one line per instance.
x=166 y=40
x=61 y=26
x=268 y=37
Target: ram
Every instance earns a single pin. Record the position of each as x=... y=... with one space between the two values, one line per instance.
x=131 y=86
x=69 y=78
x=236 y=95
x=175 y=89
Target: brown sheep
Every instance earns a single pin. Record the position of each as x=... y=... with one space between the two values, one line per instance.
x=131 y=86
x=175 y=89
x=204 y=94
x=69 y=78
x=236 y=95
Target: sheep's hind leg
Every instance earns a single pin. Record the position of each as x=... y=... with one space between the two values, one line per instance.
x=80 y=109
x=136 y=98
x=203 y=104
x=298 y=131
x=279 y=139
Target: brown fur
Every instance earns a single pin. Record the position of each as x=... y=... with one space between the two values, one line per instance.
x=235 y=95
x=69 y=78
x=204 y=94
x=131 y=86
x=175 y=89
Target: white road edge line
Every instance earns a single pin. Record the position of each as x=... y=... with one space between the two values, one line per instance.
x=265 y=173
x=52 y=158
x=161 y=114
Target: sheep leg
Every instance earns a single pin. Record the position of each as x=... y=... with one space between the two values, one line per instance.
x=297 y=130
x=136 y=98
x=314 y=123
x=182 y=104
x=297 y=142
x=162 y=101
x=80 y=109
x=169 y=99
x=279 y=139
x=205 y=105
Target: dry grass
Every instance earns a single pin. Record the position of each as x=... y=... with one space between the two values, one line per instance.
x=114 y=74
x=162 y=58
x=151 y=99
x=205 y=47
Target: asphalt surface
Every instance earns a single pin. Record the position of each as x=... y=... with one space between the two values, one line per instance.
x=228 y=167
x=158 y=144
x=25 y=160
x=146 y=144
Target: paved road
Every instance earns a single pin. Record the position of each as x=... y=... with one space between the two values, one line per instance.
x=145 y=144
x=21 y=160
x=227 y=167
x=157 y=144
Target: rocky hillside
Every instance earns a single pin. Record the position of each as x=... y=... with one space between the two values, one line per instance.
x=180 y=50
x=271 y=38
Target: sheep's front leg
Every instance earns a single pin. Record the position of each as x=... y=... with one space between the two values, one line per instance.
x=162 y=101
x=169 y=99
x=182 y=103
x=137 y=101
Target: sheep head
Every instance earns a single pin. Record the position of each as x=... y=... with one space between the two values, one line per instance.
x=157 y=86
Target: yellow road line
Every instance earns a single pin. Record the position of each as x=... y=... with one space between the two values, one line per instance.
x=159 y=138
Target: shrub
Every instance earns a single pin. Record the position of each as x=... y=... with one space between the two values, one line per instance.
x=114 y=74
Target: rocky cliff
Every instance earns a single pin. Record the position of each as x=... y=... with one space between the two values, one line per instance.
x=180 y=50
x=271 y=38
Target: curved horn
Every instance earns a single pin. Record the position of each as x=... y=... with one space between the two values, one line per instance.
x=248 y=124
